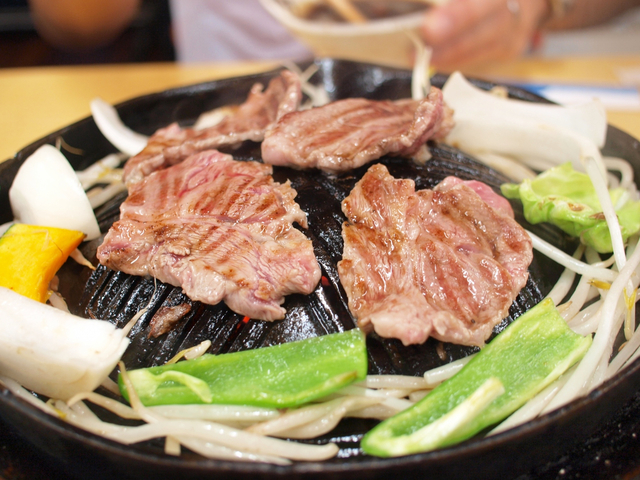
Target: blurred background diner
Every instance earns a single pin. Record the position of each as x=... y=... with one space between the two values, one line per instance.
x=461 y=32
x=566 y=50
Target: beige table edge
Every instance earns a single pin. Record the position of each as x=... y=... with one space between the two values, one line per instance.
x=37 y=101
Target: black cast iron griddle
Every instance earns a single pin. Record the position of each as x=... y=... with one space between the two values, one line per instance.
x=116 y=297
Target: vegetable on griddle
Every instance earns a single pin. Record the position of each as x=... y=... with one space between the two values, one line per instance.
x=31 y=255
x=46 y=191
x=567 y=198
x=285 y=375
x=53 y=352
x=526 y=357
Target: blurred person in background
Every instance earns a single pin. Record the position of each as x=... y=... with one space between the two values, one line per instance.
x=80 y=24
x=71 y=32
x=203 y=30
x=461 y=32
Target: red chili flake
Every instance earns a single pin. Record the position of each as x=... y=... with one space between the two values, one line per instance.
x=325 y=281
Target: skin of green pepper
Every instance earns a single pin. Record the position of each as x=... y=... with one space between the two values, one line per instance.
x=526 y=357
x=280 y=376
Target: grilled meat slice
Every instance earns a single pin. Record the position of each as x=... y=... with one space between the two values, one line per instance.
x=166 y=318
x=172 y=144
x=348 y=133
x=221 y=229
x=441 y=263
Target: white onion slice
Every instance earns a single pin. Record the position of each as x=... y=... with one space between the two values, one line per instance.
x=588 y=120
x=47 y=192
x=53 y=352
x=109 y=123
x=538 y=146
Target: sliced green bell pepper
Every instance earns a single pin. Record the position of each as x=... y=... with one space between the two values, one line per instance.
x=526 y=357
x=280 y=376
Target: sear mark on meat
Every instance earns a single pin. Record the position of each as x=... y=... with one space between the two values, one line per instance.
x=172 y=144
x=441 y=263
x=221 y=229
x=349 y=133
x=166 y=318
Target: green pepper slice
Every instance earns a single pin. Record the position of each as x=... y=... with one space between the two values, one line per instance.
x=523 y=359
x=279 y=376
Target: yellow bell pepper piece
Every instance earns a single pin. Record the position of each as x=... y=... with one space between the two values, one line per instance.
x=31 y=255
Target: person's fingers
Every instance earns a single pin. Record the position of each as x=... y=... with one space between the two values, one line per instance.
x=499 y=37
x=491 y=52
x=444 y=23
x=503 y=34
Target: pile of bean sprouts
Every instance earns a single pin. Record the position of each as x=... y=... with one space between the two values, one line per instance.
x=602 y=304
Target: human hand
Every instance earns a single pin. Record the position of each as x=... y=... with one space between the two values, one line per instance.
x=464 y=33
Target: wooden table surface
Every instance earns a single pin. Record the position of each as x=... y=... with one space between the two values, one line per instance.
x=38 y=101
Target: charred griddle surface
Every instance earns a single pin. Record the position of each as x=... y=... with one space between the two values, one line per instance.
x=117 y=296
